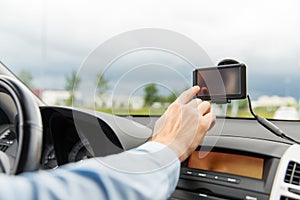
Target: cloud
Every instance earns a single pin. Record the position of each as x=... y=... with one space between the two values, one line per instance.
x=50 y=38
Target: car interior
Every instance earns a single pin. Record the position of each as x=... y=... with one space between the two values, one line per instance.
x=85 y=79
x=240 y=158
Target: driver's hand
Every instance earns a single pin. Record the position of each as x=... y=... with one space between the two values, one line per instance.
x=184 y=124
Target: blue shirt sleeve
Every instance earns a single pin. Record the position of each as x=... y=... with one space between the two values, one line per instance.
x=150 y=171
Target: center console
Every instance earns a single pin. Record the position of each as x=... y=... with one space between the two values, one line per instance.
x=226 y=174
x=239 y=159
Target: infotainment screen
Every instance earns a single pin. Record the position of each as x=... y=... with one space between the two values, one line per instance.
x=227 y=163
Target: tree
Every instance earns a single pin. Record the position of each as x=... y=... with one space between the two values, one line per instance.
x=169 y=98
x=72 y=83
x=151 y=94
x=27 y=78
x=102 y=87
x=243 y=104
x=102 y=84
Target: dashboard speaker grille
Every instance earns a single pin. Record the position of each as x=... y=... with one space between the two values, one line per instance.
x=292 y=174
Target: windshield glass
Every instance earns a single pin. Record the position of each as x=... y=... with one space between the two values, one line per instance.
x=96 y=55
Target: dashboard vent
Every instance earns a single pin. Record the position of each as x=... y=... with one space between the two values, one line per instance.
x=3 y=147
x=292 y=174
x=286 y=198
x=6 y=139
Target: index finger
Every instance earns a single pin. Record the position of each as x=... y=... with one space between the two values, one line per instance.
x=187 y=95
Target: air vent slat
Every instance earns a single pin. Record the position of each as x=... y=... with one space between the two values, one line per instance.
x=3 y=148
x=286 y=198
x=292 y=175
x=296 y=176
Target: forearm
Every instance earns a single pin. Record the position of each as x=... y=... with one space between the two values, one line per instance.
x=149 y=172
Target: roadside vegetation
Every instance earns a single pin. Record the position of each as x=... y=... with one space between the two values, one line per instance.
x=154 y=104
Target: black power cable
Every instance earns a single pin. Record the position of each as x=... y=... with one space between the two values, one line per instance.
x=269 y=125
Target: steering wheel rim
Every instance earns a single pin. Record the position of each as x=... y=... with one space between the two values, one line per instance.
x=29 y=126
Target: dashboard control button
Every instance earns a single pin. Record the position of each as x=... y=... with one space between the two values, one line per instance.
x=189 y=172
x=202 y=175
x=251 y=198
x=233 y=180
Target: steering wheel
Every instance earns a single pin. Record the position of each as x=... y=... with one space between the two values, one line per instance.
x=28 y=128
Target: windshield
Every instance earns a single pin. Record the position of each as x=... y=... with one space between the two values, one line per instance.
x=134 y=57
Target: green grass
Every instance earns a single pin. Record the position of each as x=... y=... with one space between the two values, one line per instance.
x=267 y=112
x=242 y=113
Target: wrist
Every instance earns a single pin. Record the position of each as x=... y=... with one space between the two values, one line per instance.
x=173 y=146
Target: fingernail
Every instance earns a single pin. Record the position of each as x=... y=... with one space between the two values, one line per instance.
x=196 y=87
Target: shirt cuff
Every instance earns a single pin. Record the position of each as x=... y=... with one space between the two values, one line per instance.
x=153 y=147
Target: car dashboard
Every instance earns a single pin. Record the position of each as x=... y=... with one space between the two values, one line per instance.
x=72 y=135
x=238 y=158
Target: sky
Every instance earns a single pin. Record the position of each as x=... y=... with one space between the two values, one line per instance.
x=52 y=38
